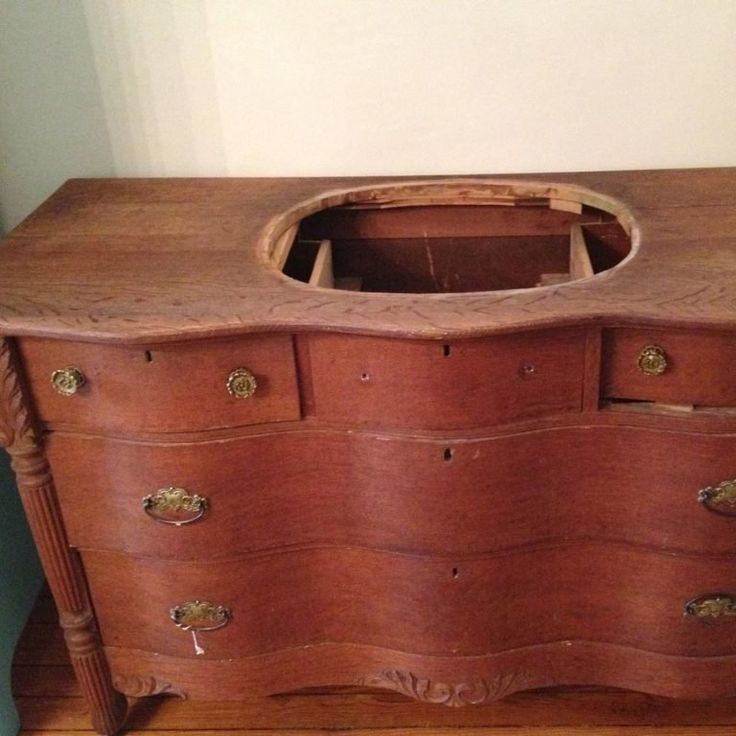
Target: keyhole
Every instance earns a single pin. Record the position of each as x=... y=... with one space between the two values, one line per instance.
x=446 y=351
x=149 y=356
x=455 y=573
x=448 y=454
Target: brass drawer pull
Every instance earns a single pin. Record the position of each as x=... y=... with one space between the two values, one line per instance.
x=711 y=605
x=197 y=616
x=67 y=381
x=175 y=506
x=652 y=360
x=241 y=383
x=721 y=499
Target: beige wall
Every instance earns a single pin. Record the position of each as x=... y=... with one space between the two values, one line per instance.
x=415 y=86
x=274 y=87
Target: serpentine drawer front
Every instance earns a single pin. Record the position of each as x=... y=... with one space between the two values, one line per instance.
x=163 y=388
x=450 y=438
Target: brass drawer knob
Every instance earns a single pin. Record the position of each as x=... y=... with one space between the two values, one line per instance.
x=67 y=381
x=712 y=605
x=652 y=360
x=720 y=499
x=175 y=506
x=198 y=616
x=241 y=383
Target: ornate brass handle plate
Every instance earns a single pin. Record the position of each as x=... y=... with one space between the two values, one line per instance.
x=197 y=616
x=652 y=360
x=721 y=499
x=711 y=605
x=67 y=381
x=175 y=506
x=241 y=383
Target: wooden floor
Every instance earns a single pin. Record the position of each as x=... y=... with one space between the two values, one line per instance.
x=49 y=703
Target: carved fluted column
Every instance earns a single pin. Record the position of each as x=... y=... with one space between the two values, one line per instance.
x=19 y=434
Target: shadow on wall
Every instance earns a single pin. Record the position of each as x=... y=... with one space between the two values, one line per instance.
x=20 y=580
x=52 y=128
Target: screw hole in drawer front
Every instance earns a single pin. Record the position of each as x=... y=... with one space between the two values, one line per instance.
x=182 y=388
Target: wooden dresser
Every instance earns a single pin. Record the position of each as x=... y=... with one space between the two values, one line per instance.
x=452 y=438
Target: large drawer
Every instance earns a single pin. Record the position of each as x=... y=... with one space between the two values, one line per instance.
x=588 y=592
x=420 y=384
x=633 y=485
x=174 y=387
x=669 y=366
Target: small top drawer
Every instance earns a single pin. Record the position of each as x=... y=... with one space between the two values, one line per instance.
x=669 y=366
x=175 y=387
x=431 y=385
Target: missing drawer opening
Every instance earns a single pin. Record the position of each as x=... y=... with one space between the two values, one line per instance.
x=446 y=238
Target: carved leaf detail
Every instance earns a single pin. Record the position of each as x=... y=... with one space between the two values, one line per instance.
x=141 y=687
x=453 y=695
x=8 y=390
x=17 y=430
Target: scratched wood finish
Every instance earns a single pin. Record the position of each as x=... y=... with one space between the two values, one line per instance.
x=395 y=383
x=634 y=485
x=195 y=241
x=163 y=388
x=462 y=606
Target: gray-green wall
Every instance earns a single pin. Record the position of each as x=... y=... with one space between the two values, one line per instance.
x=52 y=128
x=20 y=580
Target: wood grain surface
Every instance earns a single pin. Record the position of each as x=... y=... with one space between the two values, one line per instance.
x=50 y=704
x=163 y=388
x=447 y=519
x=452 y=495
x=373 y=382
x=463 y=606
x=117 y=259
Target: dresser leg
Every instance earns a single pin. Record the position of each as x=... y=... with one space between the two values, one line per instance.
x=108 y=707
x=19 y=433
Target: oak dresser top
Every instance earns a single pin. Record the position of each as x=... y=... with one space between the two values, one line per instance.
x=148 y=260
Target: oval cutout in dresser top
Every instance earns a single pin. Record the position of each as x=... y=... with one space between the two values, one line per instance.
x=384 y=382
x=451 y=237
x=175 y=387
